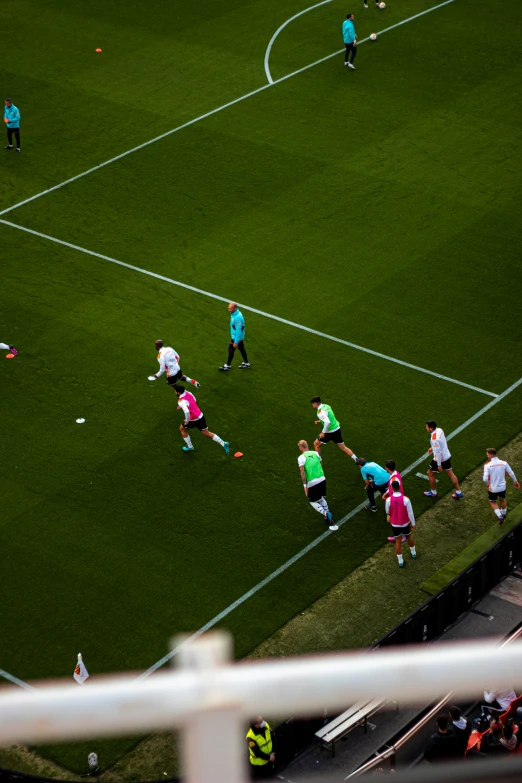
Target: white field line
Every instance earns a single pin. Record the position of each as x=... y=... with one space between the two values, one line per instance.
x=314 y=543
x=248 y=308
x=209 y=114
x=215 y=620
x=15 y=680
x=279 y=29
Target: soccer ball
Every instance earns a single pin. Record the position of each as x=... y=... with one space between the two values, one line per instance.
x=382 y=5
x=373 y=37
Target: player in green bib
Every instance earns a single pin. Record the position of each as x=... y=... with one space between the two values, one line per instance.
x=331 y=428
x=314 y=482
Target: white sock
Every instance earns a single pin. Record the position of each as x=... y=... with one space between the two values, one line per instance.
x=413 y=550
x=433 y=491
x=187 y=379
x=354 y=457
x=324 y=504
x=218 y=440
x=4 y=347
x=498 y=512
x=400 y=558
x=318 y=507
x=188 y=441
x=503 y=511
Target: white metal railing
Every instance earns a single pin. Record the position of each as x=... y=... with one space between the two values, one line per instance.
x=210 y=698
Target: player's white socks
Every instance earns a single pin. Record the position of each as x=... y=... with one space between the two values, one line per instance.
x=324 y=504
x=354 y=457
x=498 y=512
x=4 y=347
x=413 y=550
x=400 y=559
x=188 y=442
x=187 y=379
x=318 y=507
x=218 y=440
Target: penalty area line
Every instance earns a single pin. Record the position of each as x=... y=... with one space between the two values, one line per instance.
x=272 y=317
x=208 y=113
x=339 y=51
x=215 y=620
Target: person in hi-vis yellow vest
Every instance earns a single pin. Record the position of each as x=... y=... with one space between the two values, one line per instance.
x=260 y=748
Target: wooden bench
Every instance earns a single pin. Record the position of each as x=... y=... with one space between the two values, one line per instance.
x=355 y=716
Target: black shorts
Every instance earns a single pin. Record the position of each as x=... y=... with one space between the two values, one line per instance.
x=445 y=465
x=172 y=379
x=401 y=531
x=336 y=437
x=197 y=424
x=494 y=495
x=317 y=492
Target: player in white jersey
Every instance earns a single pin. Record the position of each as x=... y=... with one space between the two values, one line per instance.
x=441 y=461
x=168 y=360
x=10 y=348
x=494 y=476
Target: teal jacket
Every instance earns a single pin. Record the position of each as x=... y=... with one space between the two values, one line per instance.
x=13 y=115
x=237 y=326
x=349 y=34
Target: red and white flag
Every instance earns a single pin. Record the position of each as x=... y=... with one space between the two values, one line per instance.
x=80 y=671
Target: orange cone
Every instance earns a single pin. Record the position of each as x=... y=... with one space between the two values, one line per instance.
x=238 y=454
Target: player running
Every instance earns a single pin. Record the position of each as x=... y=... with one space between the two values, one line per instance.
x=168 y=360
x=441 y=461
x=494 y=476
x=11 y=348
x=314 y=482
x=194 y=419
x=331 y=428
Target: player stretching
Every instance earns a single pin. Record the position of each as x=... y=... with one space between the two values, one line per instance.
x=194 y=419
x=168 y=360
x=5 y=347
x=494 y=476
x=314 y=482
x=441 y=461
x=331 y=428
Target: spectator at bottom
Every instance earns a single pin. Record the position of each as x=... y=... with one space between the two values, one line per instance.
x=260 y=749
x=498 y=701
x=461 y=727
x=498 y=739
x=443 y=745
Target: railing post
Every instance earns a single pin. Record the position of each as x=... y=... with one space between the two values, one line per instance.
x=211 y=738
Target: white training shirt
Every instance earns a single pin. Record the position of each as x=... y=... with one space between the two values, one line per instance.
x=301 y=462
x=168 y=361
x=495 y=474
x=439 y=445
x=504 y=698
x=407 y=503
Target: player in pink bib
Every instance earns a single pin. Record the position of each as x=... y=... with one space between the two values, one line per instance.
x=194 y=419
x=400 y=516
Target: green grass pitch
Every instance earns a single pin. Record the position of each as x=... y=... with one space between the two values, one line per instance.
x=381 y=207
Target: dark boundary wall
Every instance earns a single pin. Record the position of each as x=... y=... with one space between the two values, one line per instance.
x=425 y=624
x=430 y=620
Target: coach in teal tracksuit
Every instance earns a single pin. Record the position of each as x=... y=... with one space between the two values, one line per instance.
x=350 y=41
x=12 y=121
x=237 y=338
